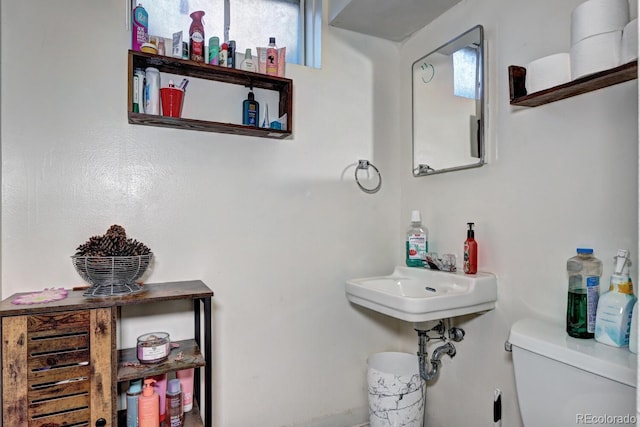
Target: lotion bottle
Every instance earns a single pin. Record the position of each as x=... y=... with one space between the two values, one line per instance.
x=133 y=394
x=247 y=63
x=417 y=243
x=470 y=252
x=149 y=406
x=613 y=315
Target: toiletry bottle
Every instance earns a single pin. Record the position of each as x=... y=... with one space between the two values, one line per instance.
x=613 y=315
x=247 y=63
x=417 y=244
x=139 y=27
x=174 y=411
x=138 y=90
x=152 y=91
x=160 y=387
x=149 y=406
x=470 y=263
x=272 y=57
x=584 y=271
x=250 y=111
x=196 y=36
x=186 y=383
x=133 y=394
x=214 y=50
x=633 y=334
x=222 y=56
x=231 y=54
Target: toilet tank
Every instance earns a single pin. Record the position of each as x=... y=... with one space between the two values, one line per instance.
x=563 y=381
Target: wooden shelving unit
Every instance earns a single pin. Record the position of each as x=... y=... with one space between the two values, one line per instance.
x=75 y=340
x=519 y=97
x=199 y=70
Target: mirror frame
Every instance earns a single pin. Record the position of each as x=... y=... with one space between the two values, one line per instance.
x=424 y=170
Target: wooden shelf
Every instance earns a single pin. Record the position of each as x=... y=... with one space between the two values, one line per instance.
x=130 y=369
x=518 y=93
x=199 y=70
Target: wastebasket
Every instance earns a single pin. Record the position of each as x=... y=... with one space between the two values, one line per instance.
x=396 y=391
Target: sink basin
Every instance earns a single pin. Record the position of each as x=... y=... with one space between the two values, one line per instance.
x=419 y=295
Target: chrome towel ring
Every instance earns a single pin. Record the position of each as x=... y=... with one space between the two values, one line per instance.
x=365 y=165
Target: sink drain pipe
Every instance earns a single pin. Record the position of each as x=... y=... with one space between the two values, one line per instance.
x=447 y=348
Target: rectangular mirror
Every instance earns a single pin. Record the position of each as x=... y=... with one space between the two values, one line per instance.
x=448 y=106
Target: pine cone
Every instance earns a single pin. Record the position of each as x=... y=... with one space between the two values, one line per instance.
x=113 y=243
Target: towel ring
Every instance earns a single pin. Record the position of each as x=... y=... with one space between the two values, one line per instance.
x=364 y=165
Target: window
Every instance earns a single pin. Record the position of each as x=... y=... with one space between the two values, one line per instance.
x=465 y=71
x=296 y=24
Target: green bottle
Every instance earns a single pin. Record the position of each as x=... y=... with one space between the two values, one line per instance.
x=584 y=271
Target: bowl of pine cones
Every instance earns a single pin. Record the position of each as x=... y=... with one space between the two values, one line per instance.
x=112 y=263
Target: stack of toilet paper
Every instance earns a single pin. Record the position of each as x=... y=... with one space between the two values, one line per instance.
x=596 y=35
x=549 y=71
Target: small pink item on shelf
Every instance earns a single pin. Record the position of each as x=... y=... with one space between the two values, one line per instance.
x=46 y=295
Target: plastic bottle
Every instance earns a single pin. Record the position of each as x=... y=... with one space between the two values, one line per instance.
x=160 y=387
x=633 y=334
x=470 y=263
x=196 y=36
x=186 y=383
x=417 y=242
x=133 y=394
x=139 y=27
x=152 y=91
x=613 y=315
x=584 y=271
x=272 y=57
x=149 y=406
x=174 y=411
x=231 y=54
x=224 y=52
x=250 y=111
x=214 y=50
x=138 y=90
x=247 y=63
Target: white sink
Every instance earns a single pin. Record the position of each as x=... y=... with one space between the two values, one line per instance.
x=419 y=295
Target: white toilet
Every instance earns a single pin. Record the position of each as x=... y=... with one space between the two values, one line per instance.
x=563 y=381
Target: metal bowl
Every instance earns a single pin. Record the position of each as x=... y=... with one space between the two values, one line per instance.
x=111 y=275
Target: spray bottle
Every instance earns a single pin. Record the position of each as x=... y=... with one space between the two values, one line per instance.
x=196 y=36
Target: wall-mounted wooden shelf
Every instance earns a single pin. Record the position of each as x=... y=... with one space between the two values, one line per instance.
x=199 y=70
x=518 y=93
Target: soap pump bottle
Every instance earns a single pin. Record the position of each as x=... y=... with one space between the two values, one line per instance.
x=417 y=243
x=149 y=406
x=250 y=111
x=614 y=312
x=470 y=251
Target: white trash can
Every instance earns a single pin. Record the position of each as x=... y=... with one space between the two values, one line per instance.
x=396 y=391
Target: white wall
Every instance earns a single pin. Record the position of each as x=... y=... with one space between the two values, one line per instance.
x=273 y=227
x=276 y=227
x=559 y=176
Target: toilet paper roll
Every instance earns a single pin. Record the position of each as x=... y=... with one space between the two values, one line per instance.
x=595 y=53
x=549 y=71
x=598 y=16
x=629 y=49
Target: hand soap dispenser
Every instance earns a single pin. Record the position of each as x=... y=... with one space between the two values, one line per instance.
x=149 y=406
x=470 y=252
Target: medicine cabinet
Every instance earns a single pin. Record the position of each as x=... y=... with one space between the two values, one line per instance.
x=166 y=64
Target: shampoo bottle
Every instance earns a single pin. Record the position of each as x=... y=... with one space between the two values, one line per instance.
x=174 y=410
x=417 y=244
x=250 y=111
x=160 y=387
x=272 y=57
x=133 y=394
x=149 y=406
x=613 y=315
x=470 y=263
x=186 y=384
x=196 y=37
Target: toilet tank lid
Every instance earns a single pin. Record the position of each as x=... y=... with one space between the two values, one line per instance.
x=551 y=340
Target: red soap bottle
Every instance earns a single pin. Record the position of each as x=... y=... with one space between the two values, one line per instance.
x=470 y=252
